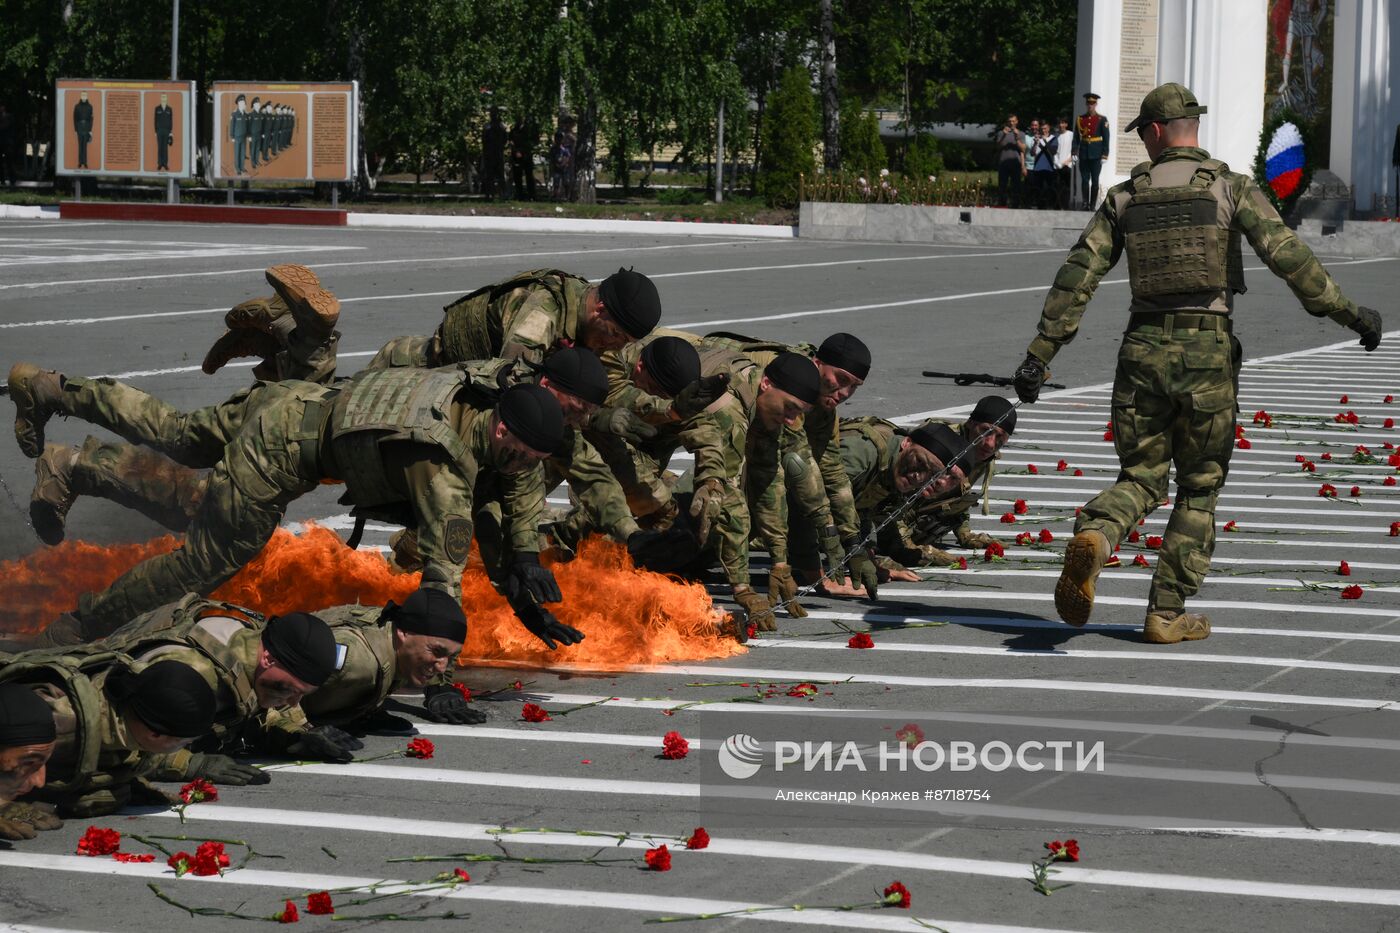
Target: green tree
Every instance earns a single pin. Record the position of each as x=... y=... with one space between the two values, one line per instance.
x=922 y=157
x=862 y=149
x=789 y=138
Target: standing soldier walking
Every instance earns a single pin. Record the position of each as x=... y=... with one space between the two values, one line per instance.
x=1091 y=149
x=1179 y=219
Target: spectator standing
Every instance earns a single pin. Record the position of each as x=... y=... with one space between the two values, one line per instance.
x=1028 y=161
x=1064 y=164
x=493 y=155
x=560 y=159
x=1009 y=147
x=1092 y=131
x=1043 y=169
x=522 y=159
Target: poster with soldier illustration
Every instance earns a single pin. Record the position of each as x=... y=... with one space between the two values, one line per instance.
x=284 y=132
x=137 y=129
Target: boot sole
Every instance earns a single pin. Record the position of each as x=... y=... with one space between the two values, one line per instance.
x=1074 y=592
x=299 y=286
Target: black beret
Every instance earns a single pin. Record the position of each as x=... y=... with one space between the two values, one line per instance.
x=24 y=718
x=579 y=372
x=672 y=362
x=429 y=612
x=994 y=407
x=533 y=416
x=169 y=696
x=944 y=443
x=303 y=644
x=846 y=351
x=796 y=375
x=631 y=299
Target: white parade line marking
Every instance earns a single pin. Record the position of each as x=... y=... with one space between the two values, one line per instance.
x=1373 y=493
x=1338 y=507
x=515 y=896
x=981 y=596
x=1335 y=583
x=1156 y=657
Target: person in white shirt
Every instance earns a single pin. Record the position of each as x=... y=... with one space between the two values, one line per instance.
x=1064 y=164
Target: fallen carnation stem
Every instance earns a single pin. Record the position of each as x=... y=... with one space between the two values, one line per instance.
x=522 y=859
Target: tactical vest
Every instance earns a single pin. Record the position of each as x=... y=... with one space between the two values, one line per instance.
x=381 y=647
x=72 y=671
x=392 y=405
x=471 y=332
x=881 y=434
x=1174 y=237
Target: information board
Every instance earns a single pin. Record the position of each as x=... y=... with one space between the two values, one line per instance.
x=141 y=129
x=285 y=132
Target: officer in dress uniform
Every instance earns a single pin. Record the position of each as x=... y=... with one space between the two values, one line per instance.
x=1091 y=146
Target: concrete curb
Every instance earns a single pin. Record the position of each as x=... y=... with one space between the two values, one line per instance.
x=567 y=225
x=200 y=213
x=28 y=212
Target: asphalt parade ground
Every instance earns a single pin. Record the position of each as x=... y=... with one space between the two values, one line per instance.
x=1248 y=780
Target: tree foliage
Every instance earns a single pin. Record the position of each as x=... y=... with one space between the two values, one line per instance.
x=789 y=138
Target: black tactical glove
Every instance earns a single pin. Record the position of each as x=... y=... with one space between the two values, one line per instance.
x=316 y=744
x=782 y=591
x=665 y=551
x=862 y=569
x=623 y=422
x=699 y=395
x=543 y=625
x=445 y=704
x=1030 y=376
x=221 y=769
x=528 y=580
x=1368 y=325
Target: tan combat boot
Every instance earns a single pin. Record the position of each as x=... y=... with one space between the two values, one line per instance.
x=236 y=344
x=1167 y=627
x=255 y=314
x=36 y=393
x=312 y=306
x=53 y=492
x=1084 y=558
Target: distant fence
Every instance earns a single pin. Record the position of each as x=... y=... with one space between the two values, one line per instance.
x=949 y=189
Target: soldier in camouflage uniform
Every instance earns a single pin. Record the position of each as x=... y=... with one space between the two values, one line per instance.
x=407 y=443
x=113 y=720
x=915 y=539
x=1179 y=218
x=531 y=313
x=813 y=473
x=887 y=464
x=27 y=741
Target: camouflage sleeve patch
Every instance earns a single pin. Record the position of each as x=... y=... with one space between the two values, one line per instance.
x=457 y=538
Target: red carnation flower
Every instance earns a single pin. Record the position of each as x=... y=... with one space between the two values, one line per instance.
x=1045 y=536
x=1388 y=399
x=1140 y=561
x=1020 y=508
x=1309 y=466
x=909 y=734
x=1388 y=423
x=209 y=858
x=1078 y=472
x=962 y=563
x=1352 y=592
x=464 y=690
x=181 y=862
x=1008 y=519
x=419 y=748
x=1343 y=400
x=1230 y=525
x=459 y=875
x=1062 y=465
x=99 y=841
x=199 y=791
x=1388 y=481
x=897 y=895
x=1154 y=541
x=134 y=857
x=752 y=630
x=1108 y=435
x=1032 y=468
x=1393 y=460
x=1362 y=451
x=659 y=859
x=802 y=690
x=674 y=746
x=1067 y=851
x=1356 y=492
x=1024 y=538
x=1344 y=569
x=319 y=903
x=698 y=839
x=288 y=914
x=1395 y=529
x=862 y=639
x=1244 y=444
x=1300 y=459
x=517 y=685
x=1327 y=491
x=1134 y=536
x=993 y=551
x=1239 y=430
x=532 y=713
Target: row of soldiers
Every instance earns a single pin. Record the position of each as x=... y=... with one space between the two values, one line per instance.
x=260 y=131
x=456 y=436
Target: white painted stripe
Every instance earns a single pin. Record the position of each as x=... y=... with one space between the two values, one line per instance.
x=515 y=896
x=1340 y=507
x=980 y=596
x=589 y=225
x=1156 y=657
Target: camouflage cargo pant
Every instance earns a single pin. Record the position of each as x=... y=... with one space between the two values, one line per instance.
x=140 y=479
x=418 y=352
x=269 y=456
x=1173 y=404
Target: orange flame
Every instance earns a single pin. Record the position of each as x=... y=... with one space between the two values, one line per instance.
x=629 y=616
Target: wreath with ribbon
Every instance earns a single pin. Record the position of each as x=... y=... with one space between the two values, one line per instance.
x=1284 y=162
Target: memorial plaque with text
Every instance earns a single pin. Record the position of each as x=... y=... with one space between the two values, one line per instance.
x=138 y=129
x=285 y=132
x=1137 y=75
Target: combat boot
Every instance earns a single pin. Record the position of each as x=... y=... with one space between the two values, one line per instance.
x=1084 y=558
x=1168 y=626
x=236 y=344
x=313 y=308
x=53 y=492
x=36 y=393
x=63 y=632
x=256 y=314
